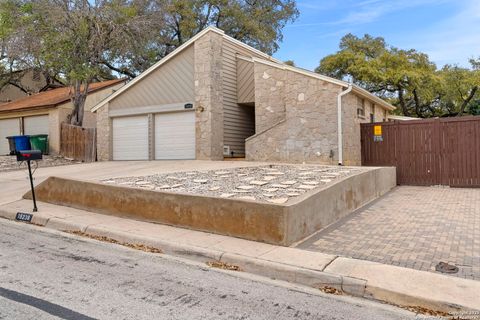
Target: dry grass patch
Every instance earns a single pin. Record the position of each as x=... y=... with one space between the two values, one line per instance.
x=136 y=246
x=223 y=265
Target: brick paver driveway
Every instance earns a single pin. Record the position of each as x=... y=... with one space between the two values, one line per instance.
x=413 y=227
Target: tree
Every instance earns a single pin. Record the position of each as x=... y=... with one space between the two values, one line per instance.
x=85 y=40
x=257 y=23
x=406 y=78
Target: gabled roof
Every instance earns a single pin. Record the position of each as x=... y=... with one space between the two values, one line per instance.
x=52 y=98
x=265 y=59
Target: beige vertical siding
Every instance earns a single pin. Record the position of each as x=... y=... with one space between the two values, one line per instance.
x=245 y=81
x=171 y=83
x=239 y=120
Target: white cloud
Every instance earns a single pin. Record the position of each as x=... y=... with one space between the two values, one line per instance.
x=453 y=40
x=371 y=10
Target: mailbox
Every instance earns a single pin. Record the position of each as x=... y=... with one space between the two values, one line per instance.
x=25 y=155
x=28 y=156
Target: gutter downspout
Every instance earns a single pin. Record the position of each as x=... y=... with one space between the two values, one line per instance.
x=339 y=124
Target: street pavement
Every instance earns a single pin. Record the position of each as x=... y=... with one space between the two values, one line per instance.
x=46 y=274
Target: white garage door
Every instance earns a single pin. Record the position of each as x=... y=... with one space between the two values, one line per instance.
x=175 y=135
x=35 y=125
x=130 y=138
x=8 y=127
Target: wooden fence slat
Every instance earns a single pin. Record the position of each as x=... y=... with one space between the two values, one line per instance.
x=78 y=143
x=427 y=152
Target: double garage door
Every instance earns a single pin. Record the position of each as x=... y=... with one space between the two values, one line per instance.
x=173 y=137
x=12 y=127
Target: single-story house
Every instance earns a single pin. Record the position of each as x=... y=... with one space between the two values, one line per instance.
x=43 y=113
x=217 y=97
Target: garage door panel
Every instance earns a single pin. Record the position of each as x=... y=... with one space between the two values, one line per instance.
x=36 y=125
x=175 y=136
x=8 y=127
x=130 y=138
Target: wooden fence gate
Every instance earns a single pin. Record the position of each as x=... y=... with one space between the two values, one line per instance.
x=78 y=143
x=443 y=151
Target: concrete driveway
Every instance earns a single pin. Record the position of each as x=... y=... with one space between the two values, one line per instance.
x=412 y=227
x=14 y=184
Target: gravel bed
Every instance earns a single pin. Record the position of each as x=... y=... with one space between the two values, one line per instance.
x=10 y=163
x=271 y=183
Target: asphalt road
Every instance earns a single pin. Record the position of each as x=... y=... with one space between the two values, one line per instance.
x=46 y=274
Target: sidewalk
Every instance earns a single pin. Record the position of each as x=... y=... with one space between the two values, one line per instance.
x=367 y=279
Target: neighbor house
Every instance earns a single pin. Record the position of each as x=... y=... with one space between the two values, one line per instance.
x=43 y=113
x=23 y=83
x=217 y=97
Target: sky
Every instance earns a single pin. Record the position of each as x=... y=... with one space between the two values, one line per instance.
x=447 y=30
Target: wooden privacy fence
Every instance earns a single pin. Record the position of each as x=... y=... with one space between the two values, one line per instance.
x=78 y=143
x=443 y=151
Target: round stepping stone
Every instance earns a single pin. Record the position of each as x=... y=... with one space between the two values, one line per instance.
x=247 y=198
x=312 y=183
x=276 y=173
x=270 y=189
x=109 y=181
x=165 y=186
x=242 y=174
x=226 y=195
x=191 y=173
x=200 y=180
x=245 y=187
x=293 y=194
x=258 y=183
x=326 y=180
x=241 y=191
x=214 y=188
x=279 y=186
x=269 y=178
x=221 y=172
x=289 y=182
x=269 y=195
x=306 y=187
x=306 y=173
x=225 y=176
x=278 y=200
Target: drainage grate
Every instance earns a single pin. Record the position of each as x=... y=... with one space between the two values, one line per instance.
x=446 y=268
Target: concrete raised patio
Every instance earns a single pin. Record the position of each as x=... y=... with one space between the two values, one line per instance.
x=281 y=222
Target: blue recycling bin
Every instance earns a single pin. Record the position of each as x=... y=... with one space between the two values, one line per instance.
x=22 y=143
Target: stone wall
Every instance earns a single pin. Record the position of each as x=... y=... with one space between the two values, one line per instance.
x=209 y=96
x=269 y=96
x=104 y=132
x=309 y=132
x=296 y=119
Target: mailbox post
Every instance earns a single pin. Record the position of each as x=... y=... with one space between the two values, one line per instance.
x=29 y=155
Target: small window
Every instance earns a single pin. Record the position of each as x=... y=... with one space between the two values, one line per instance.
x=361 y=109
x=36 y=75
x=372 y=118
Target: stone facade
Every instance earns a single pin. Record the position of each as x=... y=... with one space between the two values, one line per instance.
x=104 y=134
x=296 y=119
x=209 y=97
x=269 y=96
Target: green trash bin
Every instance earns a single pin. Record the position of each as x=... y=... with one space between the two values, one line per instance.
x=39 y=142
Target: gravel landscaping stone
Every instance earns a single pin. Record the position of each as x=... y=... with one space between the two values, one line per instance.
x=9 y=163
x=272 y=183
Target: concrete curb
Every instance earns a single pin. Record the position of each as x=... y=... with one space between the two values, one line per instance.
x=347 y=282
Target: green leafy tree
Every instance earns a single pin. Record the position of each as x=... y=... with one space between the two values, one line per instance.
x=85 y=41
x=406 y=78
